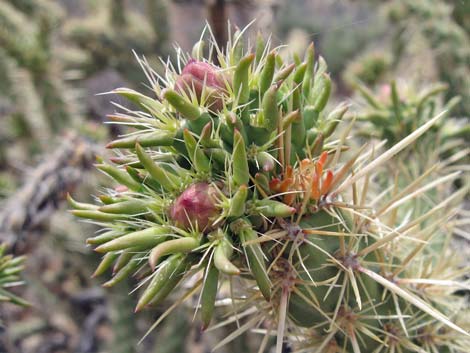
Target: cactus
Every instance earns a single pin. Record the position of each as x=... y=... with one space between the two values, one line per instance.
x=232 y=175
x=112 y=27
x=34 y=76
x=370 y=68
x=395 y=111
x=447 y=40
x=10 y=268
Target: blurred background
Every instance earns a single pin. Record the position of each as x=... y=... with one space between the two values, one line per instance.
x=57 y=55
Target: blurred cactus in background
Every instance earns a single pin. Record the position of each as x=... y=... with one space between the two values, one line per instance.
x=396 y=111
x=105 y=36
x=237 y=187
x=335 y=29
x=461 y=14
x=371 y=68
x=448 y=42
x=39 y=101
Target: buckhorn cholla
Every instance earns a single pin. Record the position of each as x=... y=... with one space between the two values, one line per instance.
x=232 y=175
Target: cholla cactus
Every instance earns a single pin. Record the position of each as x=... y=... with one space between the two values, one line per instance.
x=103 y=37
x=370 y=68
x=447 y=40
x=10 y=268
x=232 y=175
x=395 y=111
x=33 y=81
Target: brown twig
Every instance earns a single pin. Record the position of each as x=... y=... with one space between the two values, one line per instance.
x=27 y=209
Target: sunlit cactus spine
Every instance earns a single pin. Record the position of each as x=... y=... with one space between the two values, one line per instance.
x=231 y=174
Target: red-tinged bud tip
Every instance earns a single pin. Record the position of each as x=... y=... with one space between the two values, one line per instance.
x=121 y=188
x=199 y=76
x=233 y=117
x=268 y=166
x=204 y=72
x=196 y=205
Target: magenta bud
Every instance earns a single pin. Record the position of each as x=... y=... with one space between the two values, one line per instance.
x=198 y=76
x=196 y=205
x=204 y=72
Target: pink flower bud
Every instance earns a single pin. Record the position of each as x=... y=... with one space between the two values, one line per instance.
x=121 y=188
x=204 y=71
x=195 y=206
x=384 y=92
x=198 y=76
